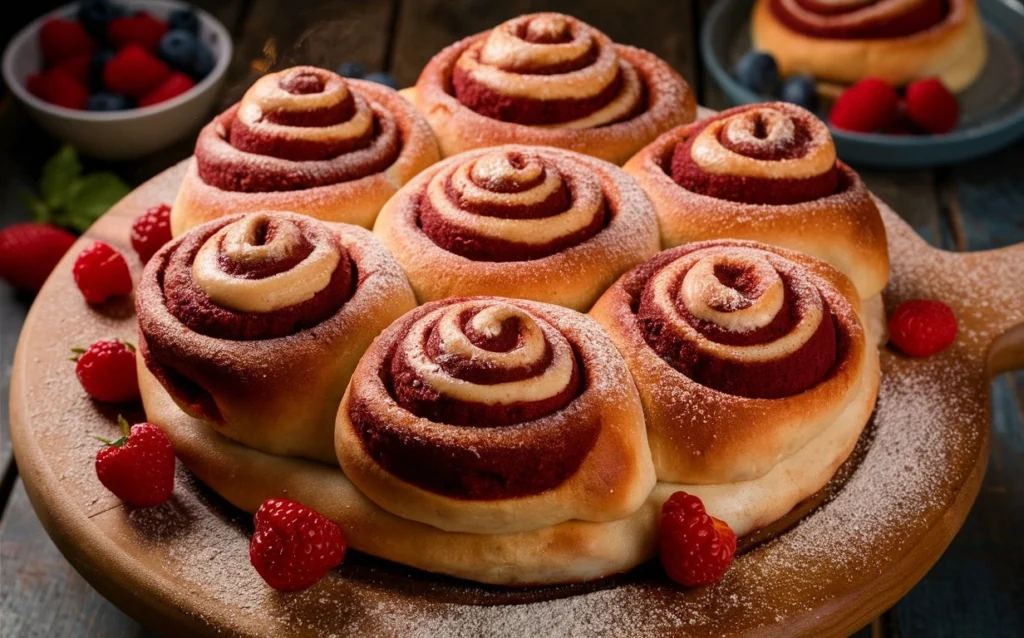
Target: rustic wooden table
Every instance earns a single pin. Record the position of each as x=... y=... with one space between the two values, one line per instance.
x=975 y=589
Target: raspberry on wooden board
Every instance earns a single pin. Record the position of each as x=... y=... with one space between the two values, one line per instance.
x=294 y=546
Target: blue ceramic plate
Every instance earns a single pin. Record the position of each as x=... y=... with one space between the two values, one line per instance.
x=992 y=108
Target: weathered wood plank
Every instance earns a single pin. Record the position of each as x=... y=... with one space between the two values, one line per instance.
x=424 y=28
x=40 y=593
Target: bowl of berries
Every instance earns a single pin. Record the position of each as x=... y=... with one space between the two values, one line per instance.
x=119 y=79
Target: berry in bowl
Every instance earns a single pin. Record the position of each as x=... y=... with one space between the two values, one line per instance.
x=119 y=79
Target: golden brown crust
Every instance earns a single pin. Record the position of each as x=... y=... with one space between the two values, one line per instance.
x=280 y=395
x=703 y=436
x=953 y=50
x=844 y=229
x=573 y=277
x=670 y=102
x=355 y=202
x=613 y=480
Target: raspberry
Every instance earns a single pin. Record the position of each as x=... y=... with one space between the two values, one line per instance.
x=77 y=66
x=133 y=71
x=695 y=548
x=867 y=106
x=107 y=372
x=931 y=106
x=151 y=230
x=60 y=39
x=101 y=272
x=173 y=86
x=139 y=467
x=294 y=546
x=57 y=86
x=141 y=29
x=29 y=251
x=922 y=327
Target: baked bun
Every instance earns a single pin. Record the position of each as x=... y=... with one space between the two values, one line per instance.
x=896 y=40
x=254 y=323
x=743 y=354
x=765 y=172
x=549 y=79
x=518 y=221
x=494 y=416
x=308 y=141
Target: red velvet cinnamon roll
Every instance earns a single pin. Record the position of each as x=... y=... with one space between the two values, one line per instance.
x=254 y=323
x=550 y=79
x=766 y=172
x=491 y=415
x=743 y=353
x=309 y=141
x=519 y=221
x=844 y=41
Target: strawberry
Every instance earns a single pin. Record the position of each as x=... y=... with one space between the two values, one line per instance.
x=60 y=39
x=696 y=549
x=107 y=372
x=139 y=467
x=133 y=71
x=868 y=106
x=922 y=327
x=294 y=546
x=29 y=251
x=151 y=230
x=101 y=272
x=64 y=90
x=931 y=106
x=77 y=66
x=176 y=84
x=141 y=29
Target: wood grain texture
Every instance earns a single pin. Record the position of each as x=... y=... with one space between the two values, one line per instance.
x=145 y=560
x=424 y=28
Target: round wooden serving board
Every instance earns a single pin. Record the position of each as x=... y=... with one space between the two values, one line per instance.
x=869 y=537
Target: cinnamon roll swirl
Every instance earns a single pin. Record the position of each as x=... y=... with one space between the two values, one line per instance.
x=897 y=40
x=743 y=353
x=491 y=415
x=765 y=172
x=254 y=323
x=306 y=140
x=550 y=79
x=517 y=221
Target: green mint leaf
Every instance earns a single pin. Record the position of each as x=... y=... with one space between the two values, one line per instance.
x=89 y=197
x=59 y=173
x=40 y=211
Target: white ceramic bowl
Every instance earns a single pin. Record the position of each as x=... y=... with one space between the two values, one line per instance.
x=119 y=134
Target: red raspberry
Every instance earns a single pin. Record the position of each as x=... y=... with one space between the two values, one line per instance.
x=107 y=371
x=695 y=548
x=60 y=39
x=922 y=327
x=151 y=230
x=29 y=251
x=64 y=90
x=931 y=106
x=173 y=86
x=139 y=467
x=867 y=106
x=101 y=272
x=38 y=85
x=294 y=546
x=77 y=66
x=133 y=71
x=141 y=29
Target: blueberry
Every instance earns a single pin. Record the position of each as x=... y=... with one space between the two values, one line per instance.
x=382 y=78
x=758 y=72
x=351 y=69
x=203 y=63
x=800 y=90
x=107 y=102
x=95 y=14
x=178 y=49
x=96 y=63
x=184 y=19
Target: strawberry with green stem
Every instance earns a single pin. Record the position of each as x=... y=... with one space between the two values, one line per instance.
x=138 y=467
